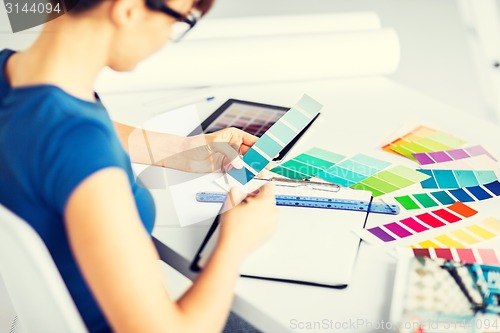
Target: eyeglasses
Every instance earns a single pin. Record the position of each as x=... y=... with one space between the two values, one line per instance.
x=184 y=22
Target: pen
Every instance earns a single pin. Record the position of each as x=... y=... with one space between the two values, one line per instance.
x=174 y=102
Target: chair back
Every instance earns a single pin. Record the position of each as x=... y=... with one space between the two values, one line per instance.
x=36 y=289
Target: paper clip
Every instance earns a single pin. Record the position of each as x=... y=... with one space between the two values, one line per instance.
x=302 y=184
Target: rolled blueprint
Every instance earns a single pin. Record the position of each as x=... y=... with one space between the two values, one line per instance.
x=284 y=25
x=253 y=57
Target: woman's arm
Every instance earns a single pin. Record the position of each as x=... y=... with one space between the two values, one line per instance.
x=148 y=147
x=118 y=259
x=200 y=153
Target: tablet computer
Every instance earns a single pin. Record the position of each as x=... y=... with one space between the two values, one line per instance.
x=251 y=117
x=309 y=246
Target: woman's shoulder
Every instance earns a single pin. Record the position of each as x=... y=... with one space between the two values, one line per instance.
x=49 y=106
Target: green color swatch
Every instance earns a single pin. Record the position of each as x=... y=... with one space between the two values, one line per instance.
x=391 y=180
x=425 y=200
x=308 y=164
x=425 y=140
x=353 y=170
x=407 y=202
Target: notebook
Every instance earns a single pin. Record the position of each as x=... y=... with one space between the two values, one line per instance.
x=311 y=246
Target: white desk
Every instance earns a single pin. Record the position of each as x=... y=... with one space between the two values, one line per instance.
x=360 y=114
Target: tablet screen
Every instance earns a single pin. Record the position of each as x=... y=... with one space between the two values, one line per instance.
x=251 y=117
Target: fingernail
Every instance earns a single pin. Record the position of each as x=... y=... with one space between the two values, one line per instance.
x=237 y=163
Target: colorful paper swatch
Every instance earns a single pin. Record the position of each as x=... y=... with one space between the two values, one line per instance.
x=308 y=164
x=447 y=197
x=456 y=178
x=275 y=139
x=468 y=256
x=390 y=180
x=465 y=237
x=451 y=155
x=421 y=140
x=411 y=226
x=353 y=170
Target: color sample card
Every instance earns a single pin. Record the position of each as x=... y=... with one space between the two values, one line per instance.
x=412 y=226
x=308 y=164
x=272 y=141
x=465 y=237
x=353 y=170
x=390 y=180
x=448 y=197
x=456 y=178
x=451 y=155
x=253 y=119
x=421 y=140
x=468 y=256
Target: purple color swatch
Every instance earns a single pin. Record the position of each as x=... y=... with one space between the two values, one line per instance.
x=424 y=159
x=458 y=154
x=451 y=155
x=381 y=234
x=479 y=150
x=441 y=156
x=398 y=230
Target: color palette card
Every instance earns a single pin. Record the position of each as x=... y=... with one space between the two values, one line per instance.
x=468 y=256
x=272 y=142
x=465 y=237
x=456 y=178
x=481 y=162
x=404 y=231
x=308 y=164
x=451 y=155
x=448 y=197
x=353 y=170
x=390 y=180
x=421 y=140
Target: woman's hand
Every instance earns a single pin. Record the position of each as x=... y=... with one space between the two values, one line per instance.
x=216 y=151
x=248 y=220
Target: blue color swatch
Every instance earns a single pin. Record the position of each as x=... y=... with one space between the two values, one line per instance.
x=450 y=196
x=448 y=179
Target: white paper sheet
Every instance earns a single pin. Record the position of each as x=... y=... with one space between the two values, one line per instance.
x=310 y=244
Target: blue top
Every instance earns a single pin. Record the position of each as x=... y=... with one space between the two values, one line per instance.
x=50 y=142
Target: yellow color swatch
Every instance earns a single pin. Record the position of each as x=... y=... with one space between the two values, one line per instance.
x=492 y=223
x=449 y=242
x=464 y=236
x=427 y=244
x=481 y=232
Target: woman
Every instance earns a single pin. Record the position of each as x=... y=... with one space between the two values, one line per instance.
x=64 y=170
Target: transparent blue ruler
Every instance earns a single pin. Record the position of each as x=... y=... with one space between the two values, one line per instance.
x=314 y=202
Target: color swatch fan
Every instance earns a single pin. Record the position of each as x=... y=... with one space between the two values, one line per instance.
x=405 y=230
x=443 y=156
x=422 y=140
x=450 y=196
x=468 y=256
x=272 y=142
x=361 y=172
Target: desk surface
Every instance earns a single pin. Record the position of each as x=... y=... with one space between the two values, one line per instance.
x=358 y=115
